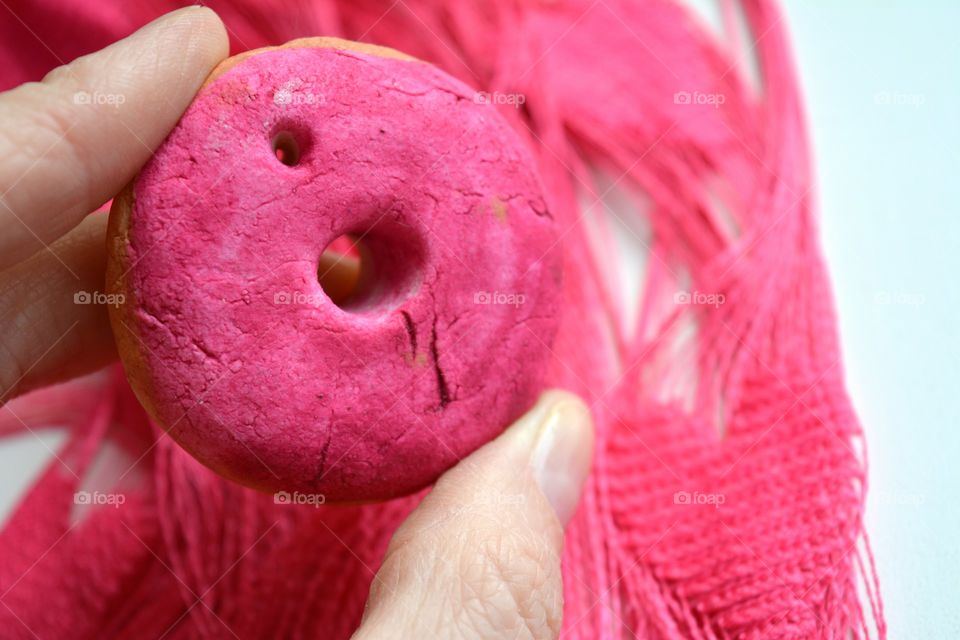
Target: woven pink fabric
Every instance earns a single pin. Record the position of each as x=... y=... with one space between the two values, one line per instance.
x=728 y=487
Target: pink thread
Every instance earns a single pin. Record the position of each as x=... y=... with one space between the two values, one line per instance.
x=728 y=488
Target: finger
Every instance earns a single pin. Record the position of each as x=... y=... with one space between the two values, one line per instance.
x=53 y=315
x=480 y=557
x=70 y=142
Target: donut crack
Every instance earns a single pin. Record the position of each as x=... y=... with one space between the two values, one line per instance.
x=419 y=94
x=206 y=352
x=322 y=468
x=411 y=332
x=153 y=319
x=443 y=391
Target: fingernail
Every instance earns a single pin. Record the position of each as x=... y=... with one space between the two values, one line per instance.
x=562 y=452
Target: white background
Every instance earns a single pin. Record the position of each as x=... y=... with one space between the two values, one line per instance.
x=889 y=176
x=883 y=94
x=882 y=87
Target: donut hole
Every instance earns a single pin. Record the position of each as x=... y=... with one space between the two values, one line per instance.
x=371 y=271
x=290 y=141
x=341 y=266
x=286 y=148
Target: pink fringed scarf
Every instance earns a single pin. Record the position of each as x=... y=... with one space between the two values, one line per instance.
x=728 y=488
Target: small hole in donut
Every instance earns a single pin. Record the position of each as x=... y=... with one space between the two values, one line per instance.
x=341 y=269
x=286 y=148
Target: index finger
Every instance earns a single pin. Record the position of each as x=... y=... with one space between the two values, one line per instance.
x=72 y=141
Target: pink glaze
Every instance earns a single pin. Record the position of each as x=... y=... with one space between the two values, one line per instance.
x=250 y=365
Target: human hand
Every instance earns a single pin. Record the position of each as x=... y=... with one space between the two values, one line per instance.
x=67 y=145
x=480 y=556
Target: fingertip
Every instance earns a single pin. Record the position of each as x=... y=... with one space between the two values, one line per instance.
x=556 y=439
x=549 y=448
x=209 y=33
x=92 y=124
x=165 y=61
x=502 y=506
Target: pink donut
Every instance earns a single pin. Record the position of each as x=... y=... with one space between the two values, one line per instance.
x=228 y=337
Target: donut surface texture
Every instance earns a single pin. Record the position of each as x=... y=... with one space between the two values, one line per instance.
x=226 y=334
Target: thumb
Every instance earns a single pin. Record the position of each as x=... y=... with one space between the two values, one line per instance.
x=480 y=556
